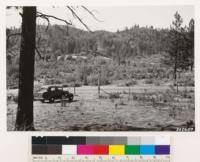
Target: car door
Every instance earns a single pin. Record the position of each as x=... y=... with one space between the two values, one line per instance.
x=53 y=92
x=60 y=92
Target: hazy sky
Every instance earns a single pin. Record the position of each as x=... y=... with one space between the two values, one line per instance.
x=116 y=17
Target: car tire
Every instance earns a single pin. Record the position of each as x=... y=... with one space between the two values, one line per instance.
x=71 y=98
x=42 y=100
x=51 y=100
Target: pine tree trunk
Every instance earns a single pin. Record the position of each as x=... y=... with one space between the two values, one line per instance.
x=175 y=71
x=24 y=119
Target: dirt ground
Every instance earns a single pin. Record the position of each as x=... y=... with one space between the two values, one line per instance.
x=141 y=108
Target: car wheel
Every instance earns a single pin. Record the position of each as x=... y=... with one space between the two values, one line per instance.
x=70 y=98
x=42 y=100
x=51 y=100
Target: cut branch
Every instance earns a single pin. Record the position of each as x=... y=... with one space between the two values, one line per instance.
x=39 y=54
x=14 y=34
x=11 y=52
x=48 y=22
x=39 y=14
x=91 y=13
x=8 y=37
x=77 y=17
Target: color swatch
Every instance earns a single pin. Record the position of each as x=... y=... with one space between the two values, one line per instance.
x=101 y=145
x=116 y=149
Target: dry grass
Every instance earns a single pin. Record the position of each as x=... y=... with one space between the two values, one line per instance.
x=152 y=108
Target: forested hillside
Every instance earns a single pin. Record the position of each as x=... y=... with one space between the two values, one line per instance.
x=117 y=55
x=60 y=40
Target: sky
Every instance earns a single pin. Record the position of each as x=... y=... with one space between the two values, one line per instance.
x=112 y=18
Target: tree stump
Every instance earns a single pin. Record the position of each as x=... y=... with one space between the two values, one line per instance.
x=63 y=101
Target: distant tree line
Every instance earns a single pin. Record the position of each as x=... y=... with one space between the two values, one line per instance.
x=178 y=42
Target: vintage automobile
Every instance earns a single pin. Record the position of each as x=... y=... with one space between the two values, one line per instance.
x=53 y=92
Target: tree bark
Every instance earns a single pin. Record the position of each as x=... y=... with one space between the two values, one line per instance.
x=24 y=119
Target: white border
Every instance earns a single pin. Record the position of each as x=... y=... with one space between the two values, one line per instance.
x=14 y=146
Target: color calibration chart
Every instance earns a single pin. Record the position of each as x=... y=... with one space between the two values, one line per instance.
x=101 y=149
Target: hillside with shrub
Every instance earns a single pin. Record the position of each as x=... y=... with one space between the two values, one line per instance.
x=136 y=54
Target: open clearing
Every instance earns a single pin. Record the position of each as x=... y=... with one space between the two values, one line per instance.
x=145 y=107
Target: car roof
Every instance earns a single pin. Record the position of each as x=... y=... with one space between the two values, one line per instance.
x=53 y=86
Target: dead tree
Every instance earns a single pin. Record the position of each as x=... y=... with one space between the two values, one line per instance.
x=24 y=118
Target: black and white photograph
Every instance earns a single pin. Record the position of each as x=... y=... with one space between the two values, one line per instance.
x=100 y=68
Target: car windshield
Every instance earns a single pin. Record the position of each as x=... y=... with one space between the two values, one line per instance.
x=52 y=89
x=59 y=88
x=42 y=90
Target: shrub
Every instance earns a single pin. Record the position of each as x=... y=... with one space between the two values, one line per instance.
x=149 y=81
x=92 y=79
x=131 y=83
x=104 y=80
x=187 y=81
x=114 y=95
x=121 y=102
x=15 y=99
x=70 y=77
x=157 y=83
